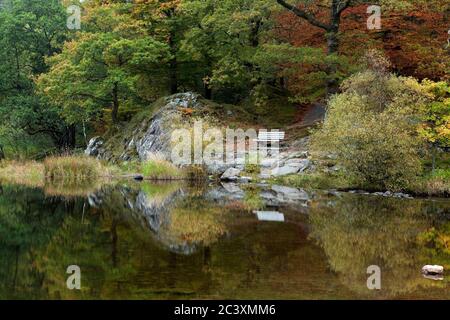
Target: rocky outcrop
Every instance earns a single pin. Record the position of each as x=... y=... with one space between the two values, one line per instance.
x=150 y=133
x=295 y=160
x=95 y=147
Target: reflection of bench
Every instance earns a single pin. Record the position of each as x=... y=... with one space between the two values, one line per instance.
x=274 y=216
x=269 y=138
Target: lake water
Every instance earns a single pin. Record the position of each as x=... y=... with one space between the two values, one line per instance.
x=173 y=241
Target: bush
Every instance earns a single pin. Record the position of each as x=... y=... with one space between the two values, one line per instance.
x=372 y=129
x=158 y=169
x=252 y=199
x=72 y=168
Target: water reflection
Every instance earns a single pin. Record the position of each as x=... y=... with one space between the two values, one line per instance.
x=150 y=241
x=356 y=232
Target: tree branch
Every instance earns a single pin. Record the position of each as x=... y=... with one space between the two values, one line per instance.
x=304 y=15
x=345 y=6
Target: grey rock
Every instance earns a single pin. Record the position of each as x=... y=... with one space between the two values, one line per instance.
x=291 y=167
x=94 y=148
x=219 y=167
x=153 y=136
x=268 y=163
x=231 y=174
x=298 y=154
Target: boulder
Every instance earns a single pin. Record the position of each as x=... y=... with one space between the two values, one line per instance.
x=231 y=174
x=219 y=167
x=291 y=166
x=150 y=135
x=94 y=148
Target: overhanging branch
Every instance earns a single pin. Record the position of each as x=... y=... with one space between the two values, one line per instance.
x=304 y=15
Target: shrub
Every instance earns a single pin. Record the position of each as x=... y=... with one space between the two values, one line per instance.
x=252 y=199
x=372 y=129
x=72 y=168
x=159 y=169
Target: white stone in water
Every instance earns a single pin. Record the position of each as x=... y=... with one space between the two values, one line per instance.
x=437 y=277
x=433 y=270
x=270 y=216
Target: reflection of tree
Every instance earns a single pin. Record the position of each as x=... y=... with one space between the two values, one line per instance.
x=194 y=221
x=436 y=244
x=27 y=221
x=356 y=232
x=122 y=257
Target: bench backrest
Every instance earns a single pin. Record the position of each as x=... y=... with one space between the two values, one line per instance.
x=268 y=136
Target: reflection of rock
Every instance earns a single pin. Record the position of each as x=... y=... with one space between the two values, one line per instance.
x=154 y=207
x=156 y=211
x=387 y=194
x=226 y=192
x=232 y=188
x=271 y=196
x=95 y=200
x=279 y=195
x=434 y=277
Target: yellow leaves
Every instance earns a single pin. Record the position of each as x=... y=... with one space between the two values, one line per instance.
x=371 y=127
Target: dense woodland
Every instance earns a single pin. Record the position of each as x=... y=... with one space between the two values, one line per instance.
x=387 y=89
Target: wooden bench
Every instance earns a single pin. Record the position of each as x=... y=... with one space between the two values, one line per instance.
x=269 y=137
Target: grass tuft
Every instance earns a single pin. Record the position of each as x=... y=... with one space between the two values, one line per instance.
x=24 y=173
x=72 y=168
x=159 y=169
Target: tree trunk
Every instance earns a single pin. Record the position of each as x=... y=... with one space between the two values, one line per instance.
x=333 y=48
x=67 y=140
x=173 y=76
x=115 y=106
x=332 y=33
x=434 y=148
x=173 y=66
x=208 y=92
x=71 y=136
x=2 y=153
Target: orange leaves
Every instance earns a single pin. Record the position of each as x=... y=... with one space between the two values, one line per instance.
x=414 y=42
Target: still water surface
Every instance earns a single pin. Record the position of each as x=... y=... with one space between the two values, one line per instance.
x=171 y=241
